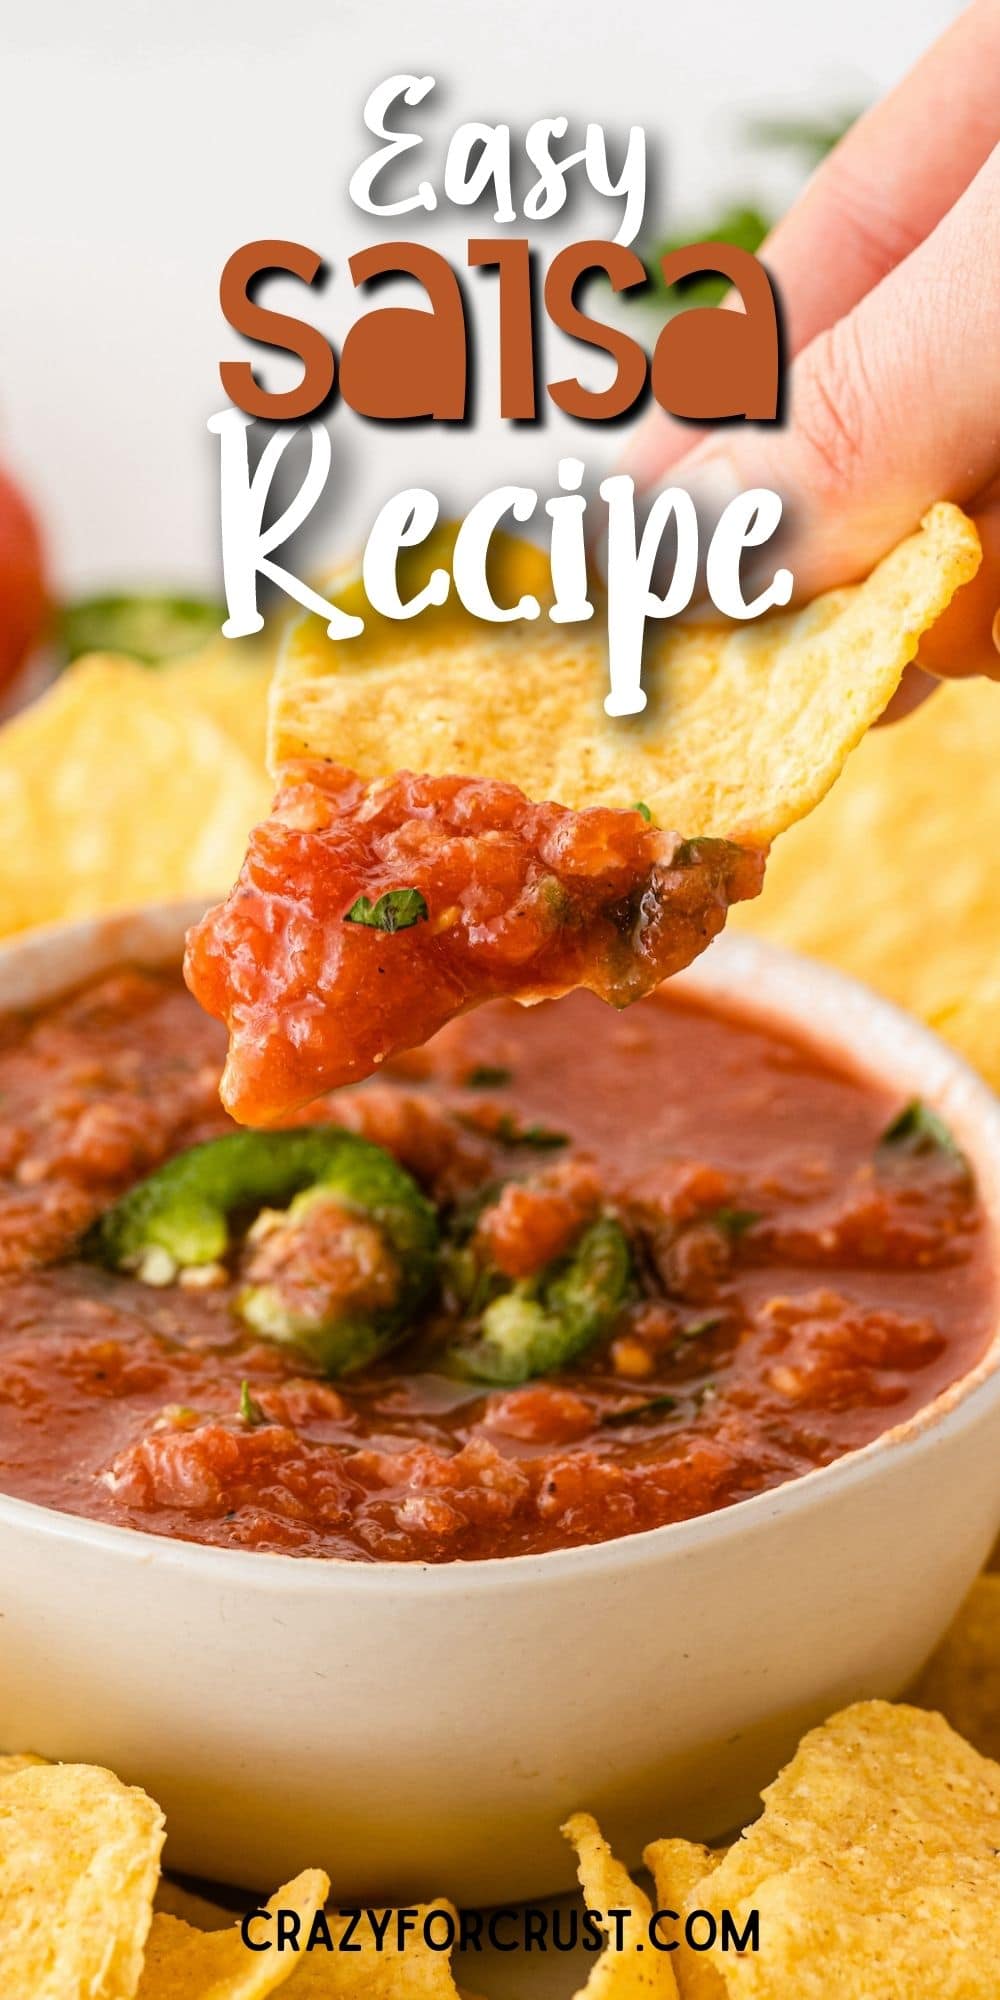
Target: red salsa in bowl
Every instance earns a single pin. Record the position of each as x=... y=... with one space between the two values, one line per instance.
x=559 y=1276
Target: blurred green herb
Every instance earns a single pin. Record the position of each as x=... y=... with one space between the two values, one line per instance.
x=734 y=1222
x=696 y=1327
x=745 y=227
x=811 y=138
x=918 y=1129
x=743 y=222
x=510 y=1133
x=150 y=626
x=487 y=1076
x=250 y=1410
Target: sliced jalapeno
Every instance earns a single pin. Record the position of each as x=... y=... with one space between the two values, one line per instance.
x=544 y=1323
x=340 y=1272
x=148 y=626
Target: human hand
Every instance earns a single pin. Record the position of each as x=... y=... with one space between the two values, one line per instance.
x=888 y=269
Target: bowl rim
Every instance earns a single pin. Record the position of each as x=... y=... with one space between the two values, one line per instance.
x=733 y=959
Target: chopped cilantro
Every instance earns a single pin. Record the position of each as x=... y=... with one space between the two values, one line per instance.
x=734 y=1222
x=510 y=1133
x=250 y=1409
x=396 y=910
x=696 y=1327
x=918 y=1129
x=640 y=806
x=487 y=1076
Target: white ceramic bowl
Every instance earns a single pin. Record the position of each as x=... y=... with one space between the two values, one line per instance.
x=419 y=1730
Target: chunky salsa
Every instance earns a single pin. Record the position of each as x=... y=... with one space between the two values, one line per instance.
x=366 y=916
x=560 y=1276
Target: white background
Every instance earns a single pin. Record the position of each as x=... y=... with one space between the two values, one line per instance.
x=140 y=143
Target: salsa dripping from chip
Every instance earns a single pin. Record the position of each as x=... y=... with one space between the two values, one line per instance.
x=471 y=894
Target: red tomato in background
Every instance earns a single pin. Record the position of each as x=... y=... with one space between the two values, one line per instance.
x=23 y=593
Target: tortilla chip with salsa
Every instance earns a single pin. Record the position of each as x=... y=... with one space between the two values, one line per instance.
x=385 y=894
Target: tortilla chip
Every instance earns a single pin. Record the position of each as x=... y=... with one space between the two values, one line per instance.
x=174 y=1901
x=187 y=1964
x=962 y=1678
x=637 y=1971
x=745 y=730
x=19 y=1760
x=79 y=1858
x=972 y=1026
x=415 y=1973
x=873 y=1869
x=894 y=878
x=679 y=1868
x=229 y=682
x=114 y=791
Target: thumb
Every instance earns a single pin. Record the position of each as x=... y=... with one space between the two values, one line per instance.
x=895 y=406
